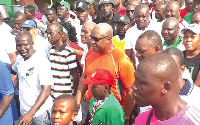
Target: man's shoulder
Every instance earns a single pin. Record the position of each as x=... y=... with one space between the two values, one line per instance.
x=141 y=119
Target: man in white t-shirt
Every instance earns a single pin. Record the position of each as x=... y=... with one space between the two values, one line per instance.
x=142 y=24
x=7 y=44
x=35 y=80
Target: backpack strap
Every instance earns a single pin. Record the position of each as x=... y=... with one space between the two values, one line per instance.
x=149 y=117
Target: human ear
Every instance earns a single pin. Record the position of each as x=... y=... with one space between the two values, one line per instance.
x=74 y=115
x=157 y=49
x=182 y=69
x=167 y=87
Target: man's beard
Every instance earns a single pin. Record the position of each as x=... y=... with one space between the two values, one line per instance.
x=107 y=14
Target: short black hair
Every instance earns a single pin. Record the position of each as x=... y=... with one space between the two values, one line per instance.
x=30 y=9
x=176 y=52
x=70 y=98
x=52 y=9
x=152 y=36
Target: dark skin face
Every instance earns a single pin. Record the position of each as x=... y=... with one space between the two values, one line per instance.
x=98 y=40
x=82 y=15
x=169 y=31
x=24 y=46
x=91 y=10
x=28 y=15
x=130 y=11
x=106 y=9
x=191 y=40
x=62 y=113
x=122 y=28
x=196 y=7
x=189 y=4
x=172 y=11
x=159 y=12
x=62 y=12
x=99 y=91
x=144 y=86
x=142 y=18
x=144 y=48
x=53 y=34
x=196 y=18
x=85 y=34
x=50 y=15
x=18 y=22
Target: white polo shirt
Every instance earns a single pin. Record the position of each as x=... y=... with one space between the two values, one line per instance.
x=133 y=33
x=33 y=73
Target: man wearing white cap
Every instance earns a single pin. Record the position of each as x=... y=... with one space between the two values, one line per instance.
x=191 y=41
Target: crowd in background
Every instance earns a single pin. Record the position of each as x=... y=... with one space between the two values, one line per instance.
x=106 y=62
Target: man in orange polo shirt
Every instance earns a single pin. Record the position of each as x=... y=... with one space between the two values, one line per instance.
x=104 y=55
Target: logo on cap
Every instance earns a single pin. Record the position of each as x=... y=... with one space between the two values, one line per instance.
x=122 y=18
x=94 y=74
x=80 y=4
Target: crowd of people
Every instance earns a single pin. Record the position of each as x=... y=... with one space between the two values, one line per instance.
x=104 y=62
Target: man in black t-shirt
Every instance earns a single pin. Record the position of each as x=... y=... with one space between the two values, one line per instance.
x=191 y=41
x=107 y=15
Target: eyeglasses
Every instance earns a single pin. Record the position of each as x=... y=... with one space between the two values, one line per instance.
x=97 y=39
x=128 y=11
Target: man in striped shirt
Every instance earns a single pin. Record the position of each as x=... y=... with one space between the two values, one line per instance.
x=63 y=63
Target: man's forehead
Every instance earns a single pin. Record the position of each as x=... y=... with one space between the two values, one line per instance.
x=141 y=10
x=130 y=7
x=22 y=37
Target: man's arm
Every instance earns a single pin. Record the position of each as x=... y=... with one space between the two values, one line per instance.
x=127 y=77
x=75 y=75
x=82 y=88
x=44 y=94
x=5 y=103
x=13 y=57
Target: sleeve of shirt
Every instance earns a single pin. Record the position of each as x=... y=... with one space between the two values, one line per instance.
x=128 y=39
x=11 y=44
x=127 y=73
x=71 y=60
x=114 y=116
x=6 y=83
x=44 y=73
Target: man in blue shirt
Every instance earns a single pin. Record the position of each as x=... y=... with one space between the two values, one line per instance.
x=8 y=111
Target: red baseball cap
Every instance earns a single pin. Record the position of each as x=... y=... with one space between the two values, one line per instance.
x=100 y=77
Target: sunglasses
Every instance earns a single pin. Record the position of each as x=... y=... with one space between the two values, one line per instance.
x=128 y=11
x=98 y=39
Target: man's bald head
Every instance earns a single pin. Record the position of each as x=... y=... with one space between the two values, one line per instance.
x=196 y=18
x=104 y=29
x=90 y=25
x=141 y=7
x=133 y=2
x=170 y=30
x=171 y=20
x=156 y=75
x=153 y=38
x=101 y=38
x=172 y=9
x=58 y=27
x=159 y=67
